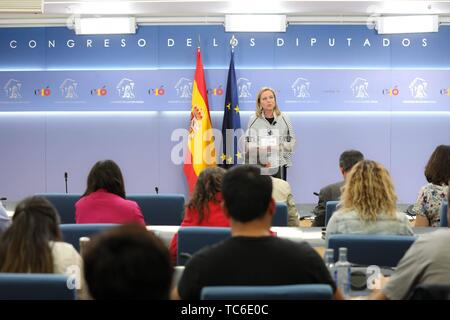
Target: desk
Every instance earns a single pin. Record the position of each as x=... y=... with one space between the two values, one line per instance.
x=312 y=235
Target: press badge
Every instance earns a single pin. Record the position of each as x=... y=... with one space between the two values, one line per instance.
x=268 y=142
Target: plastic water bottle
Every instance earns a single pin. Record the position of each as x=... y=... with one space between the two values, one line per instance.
x=343 y=272
x=329 y=263
x=83 y=243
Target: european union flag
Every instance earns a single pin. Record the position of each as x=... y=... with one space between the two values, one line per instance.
x=231 y=121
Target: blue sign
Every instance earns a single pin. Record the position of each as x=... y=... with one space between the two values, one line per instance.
x=312 y=68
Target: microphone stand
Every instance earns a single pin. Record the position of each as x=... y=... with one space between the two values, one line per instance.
x=65 y=179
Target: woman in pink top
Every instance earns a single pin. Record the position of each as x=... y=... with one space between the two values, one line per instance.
x=104 y=199
x=204 y=208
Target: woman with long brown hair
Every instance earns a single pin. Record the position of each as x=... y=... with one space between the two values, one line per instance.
x=204 y=208
x=33 y=243
x=368 y=203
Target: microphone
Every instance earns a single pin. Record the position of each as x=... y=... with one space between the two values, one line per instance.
x=156 y=190
x=65 y=179
x=315 y=193
x=288 y=139
x=249 y=127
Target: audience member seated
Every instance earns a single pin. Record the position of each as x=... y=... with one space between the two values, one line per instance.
x=437 y=173
x=204 y=208
x=251 y=256
x=128 y=262
x=104 y=199
x=282 y=193
x=368 y=204
x=5 y=220
x=33 y=243
x=426 y=262
x=332 y=192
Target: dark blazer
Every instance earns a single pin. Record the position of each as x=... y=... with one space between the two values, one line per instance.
x=331 y=192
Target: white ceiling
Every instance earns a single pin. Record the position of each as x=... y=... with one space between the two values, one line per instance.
x=12 y=11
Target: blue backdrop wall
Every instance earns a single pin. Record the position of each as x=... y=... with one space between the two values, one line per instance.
x=68 y=101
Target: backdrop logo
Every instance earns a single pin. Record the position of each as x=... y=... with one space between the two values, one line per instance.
x=12 y=89
x=301 y=88
x=69 y=89
x=215 y=91
x=391 y=91
x=101 y=92
x=157 y=91
x=359 y=88
x=43 y=92
x=244 y=86
x=445 y=92
x=184 y=87
x=418 y=88
x=125 y=88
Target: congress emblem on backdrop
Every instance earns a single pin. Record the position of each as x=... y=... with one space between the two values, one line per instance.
x=12 y=89
x=244 y=86
x=359 y=88
x=301 y=88
x=184 y=88
x=125 y=88
x=418 y=88
x=69 y=89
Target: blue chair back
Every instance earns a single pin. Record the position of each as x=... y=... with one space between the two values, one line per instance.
x=192 y=239
x=282 y=292
x=73 y=232
x=280 y=218
x=380 y=250
x=443 y=214
x=330 y=208
x=160 y=209
x=64 y=203
x=35 y=286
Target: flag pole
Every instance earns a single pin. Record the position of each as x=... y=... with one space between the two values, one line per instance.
x=233 y=43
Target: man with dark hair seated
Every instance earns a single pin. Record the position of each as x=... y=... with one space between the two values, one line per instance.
x=128 y=262
x=251 y=256
x=332 y=192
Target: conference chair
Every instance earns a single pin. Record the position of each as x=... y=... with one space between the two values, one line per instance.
x=366 y=250
x=330 y=208
x=64 y=203
x=35 y=286
x=192 y=239
x=73 y=232
x=443 y=214
x=160 y=209
x=280 y=218
x=431 y=292
x=281 y=292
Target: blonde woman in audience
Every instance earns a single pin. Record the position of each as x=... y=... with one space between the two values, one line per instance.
x=429 y=200
x=33 y=243
x=368 y=204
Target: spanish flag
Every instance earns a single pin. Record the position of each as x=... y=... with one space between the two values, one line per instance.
x=201 y=152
